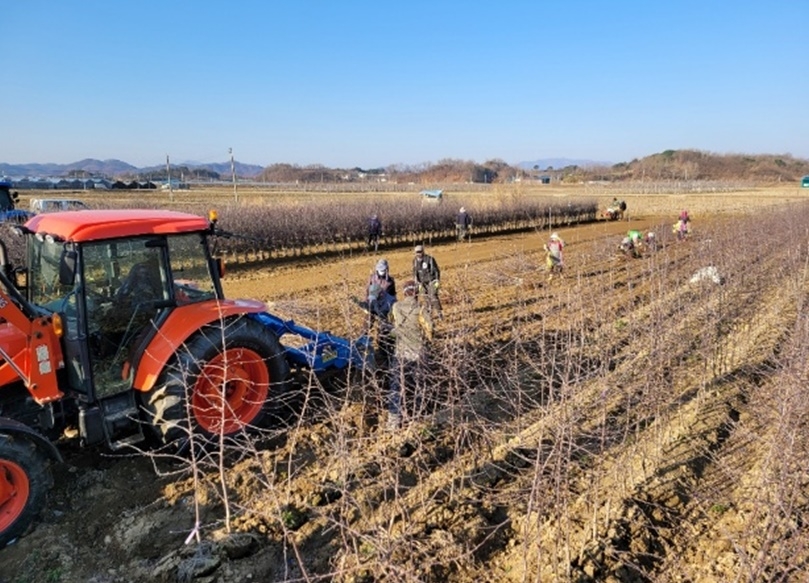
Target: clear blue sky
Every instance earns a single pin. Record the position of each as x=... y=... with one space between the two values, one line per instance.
x=359 y=83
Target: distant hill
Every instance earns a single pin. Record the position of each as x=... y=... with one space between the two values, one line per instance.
x=109 y=168
x=221 y=168
x=679 y=165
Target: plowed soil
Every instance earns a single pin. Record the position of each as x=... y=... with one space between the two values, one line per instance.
x=619 y=423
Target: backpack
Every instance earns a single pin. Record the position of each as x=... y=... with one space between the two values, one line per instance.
x=622 y=206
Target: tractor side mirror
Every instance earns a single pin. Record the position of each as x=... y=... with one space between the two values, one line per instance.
x=15 y=196
x=67 y=268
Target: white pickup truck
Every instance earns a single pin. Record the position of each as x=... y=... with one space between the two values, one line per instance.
x=49 y=205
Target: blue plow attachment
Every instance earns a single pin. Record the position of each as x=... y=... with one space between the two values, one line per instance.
x=323 y=352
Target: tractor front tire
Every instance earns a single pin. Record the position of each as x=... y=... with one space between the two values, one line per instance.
x=222 y=382
x=25 y=479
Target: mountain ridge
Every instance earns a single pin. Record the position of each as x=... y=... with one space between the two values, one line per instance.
x=114 y=168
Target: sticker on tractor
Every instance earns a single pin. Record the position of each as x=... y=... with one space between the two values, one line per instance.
x=43 y=359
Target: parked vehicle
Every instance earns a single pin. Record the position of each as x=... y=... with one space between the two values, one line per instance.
x=615 y=211
x=9 y=213
x=51 y=205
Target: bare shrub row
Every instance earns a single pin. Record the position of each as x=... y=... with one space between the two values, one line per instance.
x=309 y=226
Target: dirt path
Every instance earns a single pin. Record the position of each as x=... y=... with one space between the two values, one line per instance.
x=317 y=293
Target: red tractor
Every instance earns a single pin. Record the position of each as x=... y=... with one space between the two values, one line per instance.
x=117 y=328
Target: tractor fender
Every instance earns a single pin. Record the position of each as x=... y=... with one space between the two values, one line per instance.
x=180 y=324
x=12 y=427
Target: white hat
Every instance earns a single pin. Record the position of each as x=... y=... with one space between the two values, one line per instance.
x=555 y=236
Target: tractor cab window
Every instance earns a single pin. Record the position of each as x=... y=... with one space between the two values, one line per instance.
x=125 y=286
x=44 y=286
x=190 y=269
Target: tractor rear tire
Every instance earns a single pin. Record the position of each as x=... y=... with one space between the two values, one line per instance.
x=25 y=479
x=223 y=381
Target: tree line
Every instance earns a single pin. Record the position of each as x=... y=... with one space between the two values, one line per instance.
x=677 y=165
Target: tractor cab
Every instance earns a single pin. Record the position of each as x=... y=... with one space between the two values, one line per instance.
x=114 y=279
x=7 y=198
x=8 y=205
x=118 y=328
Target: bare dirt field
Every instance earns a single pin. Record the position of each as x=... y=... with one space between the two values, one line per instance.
x=618 y=424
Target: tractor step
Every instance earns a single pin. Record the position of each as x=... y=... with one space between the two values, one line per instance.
x=126 y=442
x=122 y=424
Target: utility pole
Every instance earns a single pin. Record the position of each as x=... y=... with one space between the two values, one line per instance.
x=233 y=175
x=168 y=178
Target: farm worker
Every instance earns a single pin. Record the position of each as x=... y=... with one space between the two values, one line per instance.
x=380 y=306
x=382 y=277
x=626 y=246
x=142 y=283
x=681 y=228
x=374 y=231
x=428 y=276
x=683 y=225
x=650 y=240
x=632 y=242
x=133 y=303
x=462 y=223
x=554 y=259
x=412 y=330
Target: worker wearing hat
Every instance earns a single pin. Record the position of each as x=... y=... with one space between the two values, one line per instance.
x=428 y=277
x=412 y=330
x=462 y=224
x=382 y=277
x=374 y=231
x=553 y=255
x=379 y=308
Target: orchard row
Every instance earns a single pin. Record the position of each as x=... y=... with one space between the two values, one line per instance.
x=314 y=227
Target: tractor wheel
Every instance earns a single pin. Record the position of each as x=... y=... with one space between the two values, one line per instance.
x=25 y=479
x=222 y=381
